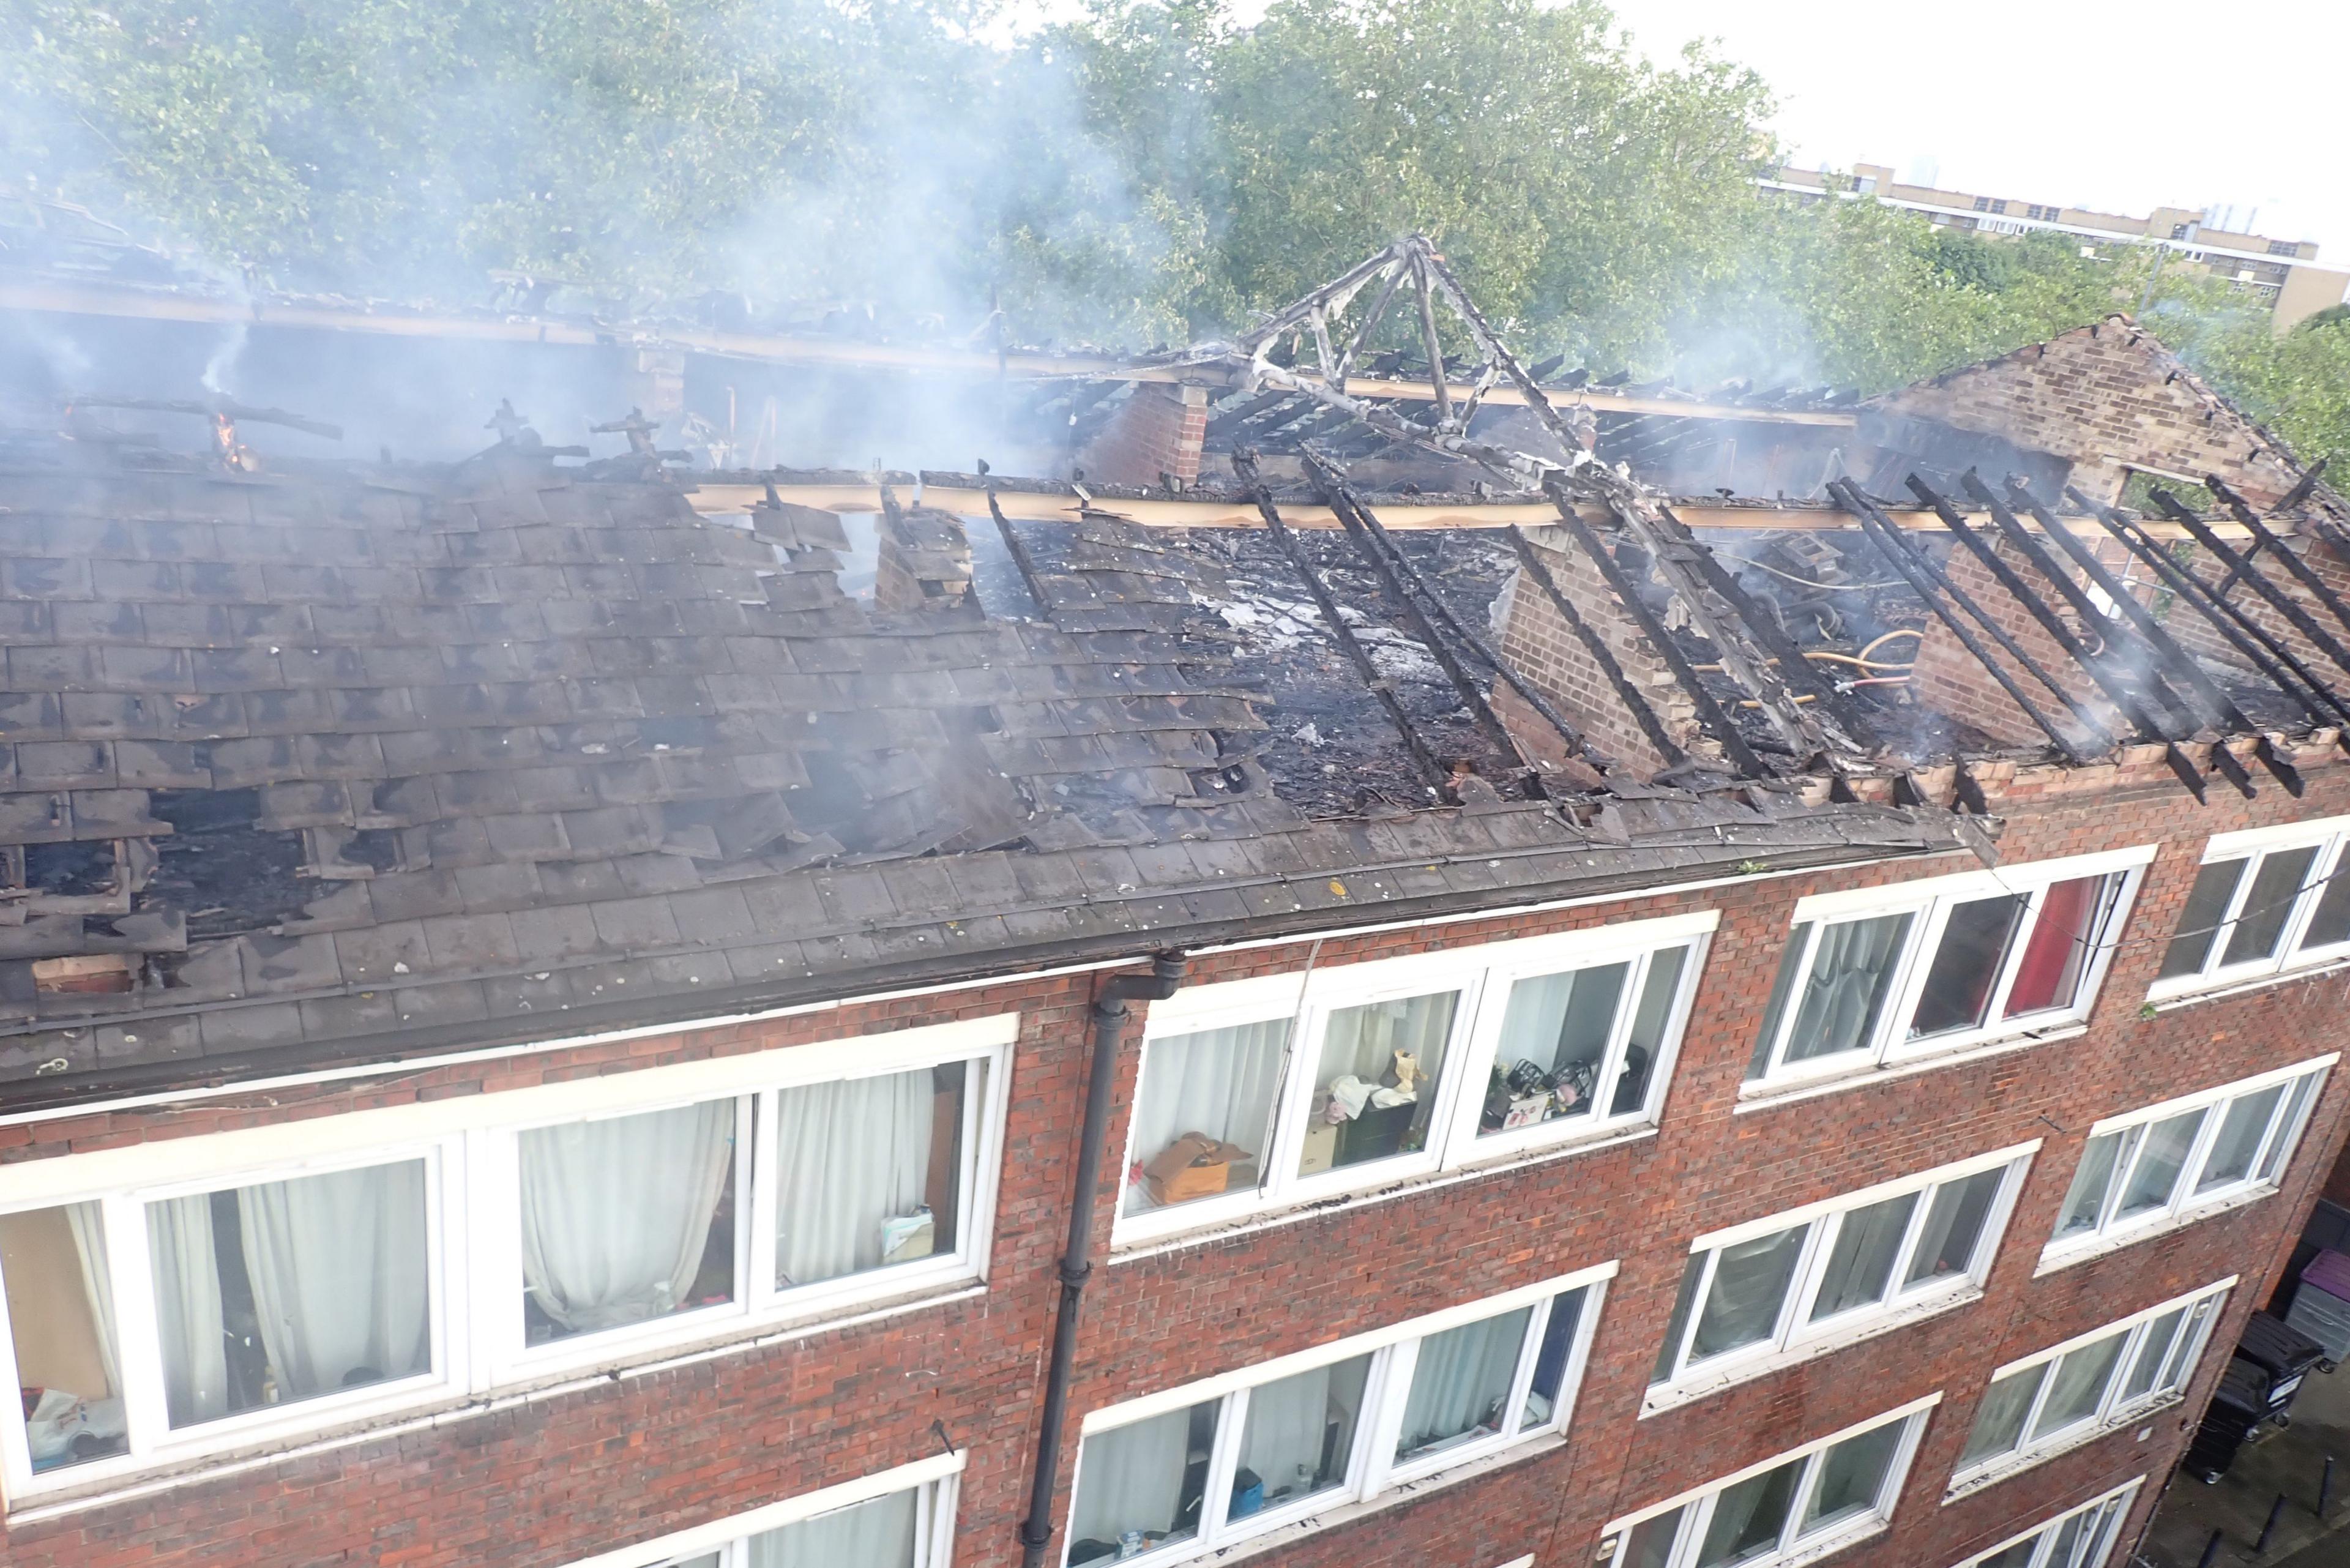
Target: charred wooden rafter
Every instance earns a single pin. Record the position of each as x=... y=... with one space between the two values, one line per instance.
x=2283 y=602
x=1634 y=701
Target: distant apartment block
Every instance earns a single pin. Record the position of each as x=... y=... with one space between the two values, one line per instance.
x=2284 y=274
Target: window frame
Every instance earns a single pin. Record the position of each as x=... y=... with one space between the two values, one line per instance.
x=2279 y=1141
x=938 y=1478
x=1371 y=1469
x=2113 y=1411
x=1483 y=974
x=1794 y=1337
x=472 y=1223
x=2331 y=839
x=2125 y=1493
x=1929 y=902
x=1701 y=1500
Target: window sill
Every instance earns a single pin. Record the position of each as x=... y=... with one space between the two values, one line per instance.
x=64 y=1498
x=1766 y=1095
x=1403 y=1186
x=1280 y=1539
x=1658 y=1401
x=2054 y=1258
x=2258 y=982
x=2016 y=1464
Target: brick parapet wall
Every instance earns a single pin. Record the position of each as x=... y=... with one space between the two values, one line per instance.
x=1159 y=430
x=545 y=1484
x=1538 y=642
x=2104 y=395
x=2194 y=631
x=1948 y=678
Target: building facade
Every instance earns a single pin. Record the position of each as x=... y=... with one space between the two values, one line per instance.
x=544 y=1032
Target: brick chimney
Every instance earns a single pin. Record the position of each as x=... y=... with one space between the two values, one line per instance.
x=922 y=565
x=1160 y=428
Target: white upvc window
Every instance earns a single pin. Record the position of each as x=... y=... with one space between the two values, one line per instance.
x=1262 y=1094
x=2075 y=1392
x=901 y=1518
x=1878 y=978
x=2266 y=901
x=1802 y=1505
x=1229 y=1458
x=2081 y=1537
x=179 y=1299
x=1758 y=1295
x=2163 y=1166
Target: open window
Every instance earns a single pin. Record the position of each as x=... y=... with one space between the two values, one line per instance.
x=190 y=1297
x=1232 y=1459
x=1881 y=977
x=1260 y=1094
x=2163 y=1166
x=2266 y=901
x=1817 y=1499
x=2064 y=1396
x=902 y=1517
x=1757 y=1295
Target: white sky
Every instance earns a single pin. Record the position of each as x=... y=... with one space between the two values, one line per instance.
x=2119 y=107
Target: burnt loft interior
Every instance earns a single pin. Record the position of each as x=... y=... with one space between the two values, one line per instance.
x=305 y=754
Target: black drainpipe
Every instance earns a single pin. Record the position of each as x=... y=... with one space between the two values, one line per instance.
x=1110 y=1025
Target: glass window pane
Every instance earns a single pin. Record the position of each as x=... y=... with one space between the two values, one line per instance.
x=1203 y=1112
x=2199 y=922
x=1692 y=1276
x=1649 y=1021
x=2019 y=1555
x=627 y=1219
x=1954 y=1227
x=2241 y=1127
x=2190 y=1344
x=1749 y=1518
x=2261 y=921
x=2084 y=1201
x=1999 y=1419
x=1550 y=1362
x=1750 y=1284
x=2057 y=954
x=1141 y=1485
x=1553 y=1037
x=1852 y=1477
x=290 y=1290
x=876 y=1534
x=1965 y=964
x=61 y=1316
x=869 y=1172
x=1850 y=978
x=2159 y=1159
x=1651 y=1543
x=2288 y=1125
x=1790 y=960
x=1300 y=1436
x=2079 y=1385
x=1377 y=1081
x=2152 y=1351
x=2330 y=922
x=1461 y=1387
x=1860 y=1265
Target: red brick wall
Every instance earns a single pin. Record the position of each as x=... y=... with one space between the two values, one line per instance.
x=2195 y=632
x=1536 y=639
x=540 y=1485
x=2104 y=395
x=1949 y=679
x=1158 y=429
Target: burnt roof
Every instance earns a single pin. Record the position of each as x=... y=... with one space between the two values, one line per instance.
x=341 y=763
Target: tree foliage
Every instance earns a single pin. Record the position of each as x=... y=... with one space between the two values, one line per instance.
x=1153 y=171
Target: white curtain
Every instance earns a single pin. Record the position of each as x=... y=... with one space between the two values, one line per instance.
x=1221 y=1082
x=616 y=1214
x=89 y=1247
x=1461 y=1375
x=1286 y=1423
x=1363 y=1041
x=337 y=1263
x=1750 y=1284
x=849 y=1156
x=1131 y=1477
x=877 y=1533
x=1558 y=1018
x=1846 y=985
x=188 y=1308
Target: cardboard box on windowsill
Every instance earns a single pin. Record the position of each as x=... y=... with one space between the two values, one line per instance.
x=1197 y=1166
